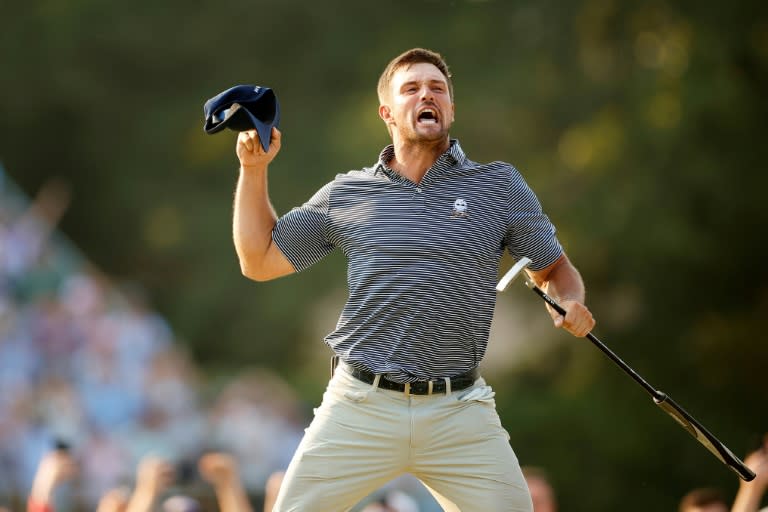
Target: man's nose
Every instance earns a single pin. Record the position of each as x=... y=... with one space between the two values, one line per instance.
x=426 y=93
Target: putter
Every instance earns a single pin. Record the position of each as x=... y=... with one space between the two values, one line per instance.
x=688 y=422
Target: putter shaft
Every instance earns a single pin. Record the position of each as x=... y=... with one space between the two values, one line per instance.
x=680 y=415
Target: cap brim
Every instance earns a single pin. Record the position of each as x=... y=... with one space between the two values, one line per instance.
x=241 y=121
x=233 y=113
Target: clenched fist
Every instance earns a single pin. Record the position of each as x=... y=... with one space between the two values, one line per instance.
x=218 y=468
x=251 y=154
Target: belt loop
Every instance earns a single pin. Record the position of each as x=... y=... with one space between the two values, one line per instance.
x=447 y=385
x=407 y=389
x=334 y=364
x=375 y=382
x=430 y=385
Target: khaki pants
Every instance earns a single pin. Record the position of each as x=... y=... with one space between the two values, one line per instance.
x=362 y=437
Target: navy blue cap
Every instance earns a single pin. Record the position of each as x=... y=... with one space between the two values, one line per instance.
x=242 y=108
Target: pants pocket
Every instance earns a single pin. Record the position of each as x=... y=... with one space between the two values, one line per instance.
x=478 y=394
x=356 y=396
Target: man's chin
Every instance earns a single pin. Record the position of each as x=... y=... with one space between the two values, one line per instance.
x=430 y=135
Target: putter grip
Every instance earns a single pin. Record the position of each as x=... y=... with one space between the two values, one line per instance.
x=705 y=437
x=549 y=300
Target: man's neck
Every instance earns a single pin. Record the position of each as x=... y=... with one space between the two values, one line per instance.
x=414 y=160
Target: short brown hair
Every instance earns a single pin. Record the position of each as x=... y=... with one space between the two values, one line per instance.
x=408 y=58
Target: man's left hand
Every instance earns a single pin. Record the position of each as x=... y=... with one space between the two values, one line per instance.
x=578 y=319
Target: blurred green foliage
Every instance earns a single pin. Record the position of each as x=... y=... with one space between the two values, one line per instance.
x=641 y=125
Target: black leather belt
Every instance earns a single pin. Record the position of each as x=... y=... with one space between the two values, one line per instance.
x=421 y=387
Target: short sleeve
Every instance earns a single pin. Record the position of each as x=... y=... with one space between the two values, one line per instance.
x=529 y=231
x=301 y=233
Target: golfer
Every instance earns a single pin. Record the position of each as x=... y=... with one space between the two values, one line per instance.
x=423 y=230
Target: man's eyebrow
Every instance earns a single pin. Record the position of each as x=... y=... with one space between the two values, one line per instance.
x=430 y=81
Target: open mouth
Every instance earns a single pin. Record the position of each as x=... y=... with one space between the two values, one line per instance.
x=427 y=116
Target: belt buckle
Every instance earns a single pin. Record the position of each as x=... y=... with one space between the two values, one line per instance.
x=430 y=386
x=407 y=388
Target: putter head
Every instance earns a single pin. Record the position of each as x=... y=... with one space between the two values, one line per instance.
x=512 y=273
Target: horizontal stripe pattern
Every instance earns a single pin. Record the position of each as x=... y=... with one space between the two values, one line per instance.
x=423 y=259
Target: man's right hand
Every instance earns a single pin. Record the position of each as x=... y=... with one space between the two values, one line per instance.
x=251 y=154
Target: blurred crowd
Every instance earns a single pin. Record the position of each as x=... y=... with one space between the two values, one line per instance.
x=87 y=366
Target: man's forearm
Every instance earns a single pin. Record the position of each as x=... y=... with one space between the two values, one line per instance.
x=564 y=283
x=253 y=219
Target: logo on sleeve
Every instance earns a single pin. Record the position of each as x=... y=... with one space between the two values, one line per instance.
x=460 y=209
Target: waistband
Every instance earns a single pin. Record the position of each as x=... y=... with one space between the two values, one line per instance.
x=420 y=387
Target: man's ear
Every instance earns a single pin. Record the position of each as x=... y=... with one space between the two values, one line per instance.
x=385 y=113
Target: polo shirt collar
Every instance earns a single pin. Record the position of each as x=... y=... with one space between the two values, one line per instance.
x=454 y=155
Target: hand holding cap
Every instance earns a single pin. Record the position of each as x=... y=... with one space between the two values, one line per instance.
x=242 y=108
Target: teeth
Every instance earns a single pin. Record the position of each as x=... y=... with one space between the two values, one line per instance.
x=432 y=119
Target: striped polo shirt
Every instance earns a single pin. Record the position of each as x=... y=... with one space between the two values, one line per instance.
x=423 y=259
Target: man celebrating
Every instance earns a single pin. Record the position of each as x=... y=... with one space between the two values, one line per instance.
x=421 y=223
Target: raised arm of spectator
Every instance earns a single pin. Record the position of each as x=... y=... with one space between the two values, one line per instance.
x=153 y=476
x=114 y=500
x=272 y=489
x=221 y=471
x=750 y=494
x=55 y=467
